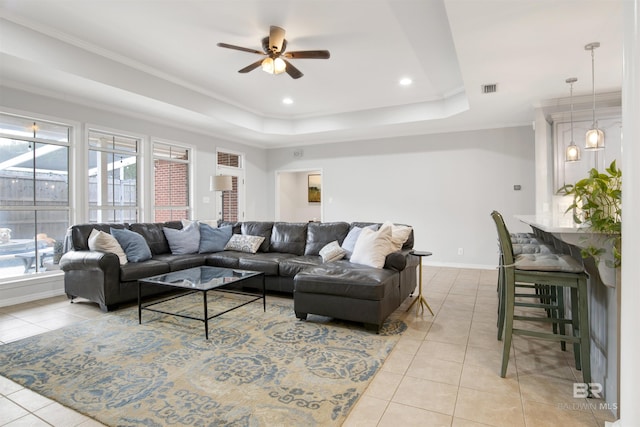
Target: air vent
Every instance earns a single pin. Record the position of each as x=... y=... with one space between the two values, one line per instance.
x=490 y=88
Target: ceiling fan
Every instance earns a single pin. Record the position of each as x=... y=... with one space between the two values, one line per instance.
x=274 y=47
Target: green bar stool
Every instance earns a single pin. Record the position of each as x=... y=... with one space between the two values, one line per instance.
x=552 y=270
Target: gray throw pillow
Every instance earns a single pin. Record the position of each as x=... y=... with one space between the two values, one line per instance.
x=185 y=241
x=213 y=239
x=133 y=244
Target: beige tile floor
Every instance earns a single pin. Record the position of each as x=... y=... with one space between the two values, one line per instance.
x=444 y=371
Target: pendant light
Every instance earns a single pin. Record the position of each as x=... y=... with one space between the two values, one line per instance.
x=594 y=137
x=572 y=153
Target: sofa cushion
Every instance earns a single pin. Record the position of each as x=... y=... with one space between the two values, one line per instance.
x=181 y=262
x=258 y=228
x=288 y=237
x=235 y=226
x=244 y=243
x=373 y=247
x=153 y=234
x=292 y=266
x=139 y=270
x=332 y=252
x=342 y=278
x=105 y=242
x=133 y=244
x=226 y=259
x=214 y=239
x=268 y=263
x=320 y=234
x=185 y=241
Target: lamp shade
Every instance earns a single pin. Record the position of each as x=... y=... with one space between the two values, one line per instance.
x=221 y=183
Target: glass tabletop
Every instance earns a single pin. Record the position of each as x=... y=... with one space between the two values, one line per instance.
x=201 y=278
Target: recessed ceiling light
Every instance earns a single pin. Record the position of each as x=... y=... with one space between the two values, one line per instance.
x=405 y=81
x=287 y=101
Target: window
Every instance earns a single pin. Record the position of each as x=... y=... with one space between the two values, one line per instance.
x=231 y=202
x=113 y=177
x=171 y=164
x=34 y=194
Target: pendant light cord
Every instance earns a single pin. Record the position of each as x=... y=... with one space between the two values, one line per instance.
x=593 y=86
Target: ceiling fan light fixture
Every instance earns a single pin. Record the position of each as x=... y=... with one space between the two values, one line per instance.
x=273 y=66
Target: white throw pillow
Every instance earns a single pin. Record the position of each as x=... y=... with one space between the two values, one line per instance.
x=332 y=252
x=373 y=247
x=105 y=242
x=399 y=234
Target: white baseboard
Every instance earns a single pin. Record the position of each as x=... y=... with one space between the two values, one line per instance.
x=458 y=265
x=32 y=288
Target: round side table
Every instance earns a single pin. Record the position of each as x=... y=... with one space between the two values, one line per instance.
x=420 y=297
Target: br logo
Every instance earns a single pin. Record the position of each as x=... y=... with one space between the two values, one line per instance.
x=585 y=390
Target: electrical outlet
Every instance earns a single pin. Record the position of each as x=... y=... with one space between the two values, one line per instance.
x=460 y=251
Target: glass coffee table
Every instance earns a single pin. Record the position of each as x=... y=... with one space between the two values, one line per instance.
x=201 y=279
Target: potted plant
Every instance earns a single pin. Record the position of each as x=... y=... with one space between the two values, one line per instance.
x=597 y=204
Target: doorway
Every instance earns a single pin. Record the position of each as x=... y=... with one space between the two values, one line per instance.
x=299 y=195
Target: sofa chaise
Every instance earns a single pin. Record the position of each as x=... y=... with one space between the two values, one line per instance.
x=289 y=256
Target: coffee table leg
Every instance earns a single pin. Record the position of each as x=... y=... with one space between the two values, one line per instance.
x=139 y=304
x=264 y=296
x=206 y=316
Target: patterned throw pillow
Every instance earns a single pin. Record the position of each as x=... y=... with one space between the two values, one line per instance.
x=332 y=252
x=105 y=242
x=244 y=243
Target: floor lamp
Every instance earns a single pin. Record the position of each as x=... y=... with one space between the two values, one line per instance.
x=221 y=183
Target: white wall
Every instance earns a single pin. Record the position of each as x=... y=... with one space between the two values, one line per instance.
x=293 y=198
x=444 y=185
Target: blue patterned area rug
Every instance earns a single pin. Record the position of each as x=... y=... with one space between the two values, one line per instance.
x=256 y=369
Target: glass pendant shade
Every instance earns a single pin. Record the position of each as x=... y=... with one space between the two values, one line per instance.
x=594 y=139
x=572 y=154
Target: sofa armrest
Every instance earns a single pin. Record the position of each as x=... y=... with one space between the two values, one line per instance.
x=83 y=260
x=397 y=260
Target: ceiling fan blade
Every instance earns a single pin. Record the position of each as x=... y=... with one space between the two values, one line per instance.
x=251 y=67
x=311 y=54
x=292 y=71
x=276 y=38
x=244 y=49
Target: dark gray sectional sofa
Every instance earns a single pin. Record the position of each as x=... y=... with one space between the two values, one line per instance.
x=289 y=257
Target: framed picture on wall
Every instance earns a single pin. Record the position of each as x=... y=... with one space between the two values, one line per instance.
x=315 y=188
